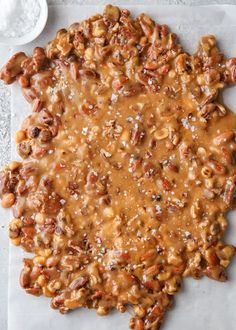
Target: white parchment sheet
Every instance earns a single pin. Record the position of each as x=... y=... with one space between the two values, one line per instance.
x=202 y=305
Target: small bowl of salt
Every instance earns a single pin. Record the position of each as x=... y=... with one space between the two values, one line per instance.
x=21 y=21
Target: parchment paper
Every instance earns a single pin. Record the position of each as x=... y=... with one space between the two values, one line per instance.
x=202 y=305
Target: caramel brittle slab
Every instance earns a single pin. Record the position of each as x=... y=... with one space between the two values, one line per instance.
x=128 y=166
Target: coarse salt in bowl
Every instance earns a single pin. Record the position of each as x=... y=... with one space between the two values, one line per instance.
x=21 y=21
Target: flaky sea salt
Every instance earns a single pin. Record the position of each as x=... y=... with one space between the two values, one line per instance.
x=18 y=17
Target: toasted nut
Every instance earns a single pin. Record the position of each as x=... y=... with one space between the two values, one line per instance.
x=180 y=63
x=45 y=135
x=72 y=303
x=216 y=273
x=37 y=105
x=12 y=68
x=45 y=252
x=174 y=259
x=195 y=260
x=215 y=228
x=191 y=245
x=147 y=24
x=46 y=292
x=152 y=270
x=74 y=70
x=148 y=255
x=102 y=311
x=14 y=165
x=23 y=81
x=29 y=94
x=228 y=252
x=223 y=138
x=172 y=285
x=195 y=210
x=223 y=222
x=221 y=109
x=208 y=194
x=225 y=263
x=137 y=324
x=211 y=257
x=201 y=152
x=8 y=200
x=34 y=291
x=209 y=183
x=206 y=172
x=52 y=261
x=54 y=285
x=121 y=308
x=108 y=212
x=164 y=276
x=78 y=283
x=217 y=167
x=36 y=270
x=39 y=218
x=33 y=132
x=99 y=28
x=14 y=228
x=125 y=136
x=24 y=149
x=63 y=45
x=24 y=278
x=227 y=155
x=161 y=134
x=41 y=280
x=171 y=74
x=212 y=76
x=39 y=260
x=88 y=73
x=16 y=241
x=28 y=231
x=112 y=13
x=89 y=54
x=207 y=43
x=20 y=136
x=139 y=311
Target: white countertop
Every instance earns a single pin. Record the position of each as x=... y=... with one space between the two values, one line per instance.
x=5 y=96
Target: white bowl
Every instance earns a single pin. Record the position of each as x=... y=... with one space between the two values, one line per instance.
x=42 y=20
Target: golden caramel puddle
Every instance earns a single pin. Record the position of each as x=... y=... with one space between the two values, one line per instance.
x=129 y=166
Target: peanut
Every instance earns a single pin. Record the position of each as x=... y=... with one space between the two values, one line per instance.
x=8 y=200
x=20 y=136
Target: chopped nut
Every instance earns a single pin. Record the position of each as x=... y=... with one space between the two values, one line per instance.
x=108 y=212
x=161 y=134
x=111 y=13
x=99 y=28
x=20 y=136
x=102 y=311
x=8 y=200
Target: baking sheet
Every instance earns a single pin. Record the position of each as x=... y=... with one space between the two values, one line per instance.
x=202 y=304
